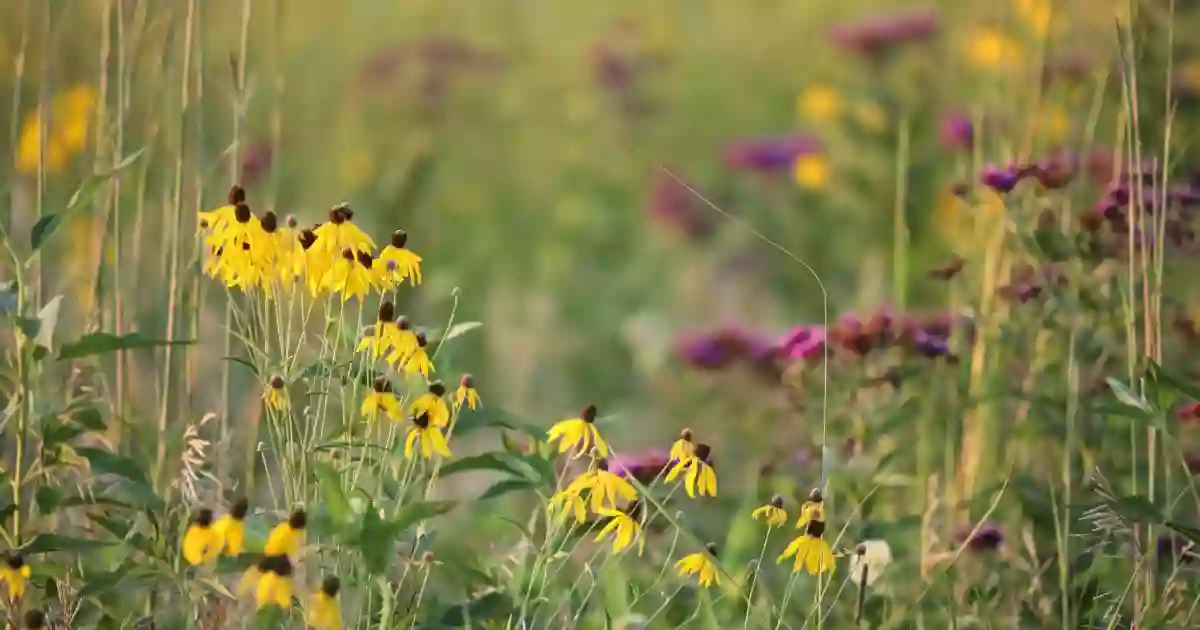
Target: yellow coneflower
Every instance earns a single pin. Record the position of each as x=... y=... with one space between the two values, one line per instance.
x=607 y=489
x=579 y=433
x=811 y=551
x=340 y=233
x=201 y=541
x=433 y=404
x=466 y=394
x=772 y=513
x=288 y=536
x=380 y=398
x=214 y=222
x=990 y=49
x=683 y=447
x=811 y=171
x=287 y=248
x=350 y=275
x=325 y=611
x=311 y=263
x=624 y=526
x=15 y=573
x=819 y=103
x=405 y=343
x=34 y=619
x=566 y=502
x=275 y=395
x=65 y=130
x=701 y=565
x=244 y=233
x=428 y=436
x=271 y=581
x=385 y=336
x=700 y=476
x=231 y=528
x=418 y=359
x=407 y=264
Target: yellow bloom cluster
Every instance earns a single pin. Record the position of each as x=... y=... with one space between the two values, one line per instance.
x=257 y=254
x=271 y=578
x=66 y=131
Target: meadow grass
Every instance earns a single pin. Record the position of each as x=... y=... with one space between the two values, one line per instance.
x=233 y=398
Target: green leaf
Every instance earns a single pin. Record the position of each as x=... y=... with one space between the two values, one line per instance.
x=101 y=343
x=331 y=493
x=1187 y=531
x=1127 y=396
x=48 y=499
x=46 y=543
x=485 y=461
x=243 y=362
x=9 y=298
x=89 y=418
x=1138 y=509
x=104 y=462
x=377 y=541
x=47 y=225
x=1181 y=385
x=47 y=322
x=501 y=488
x=415 y=512
x=457 y=330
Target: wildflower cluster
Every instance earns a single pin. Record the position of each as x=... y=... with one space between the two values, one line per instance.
x=271 y=578
x=256 y=254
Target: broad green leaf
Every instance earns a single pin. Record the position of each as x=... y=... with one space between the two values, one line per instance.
x=1127 y=396
x=48 y=499
x=98 y=583
x=89 y=418
x=1187 y=531
x=417 y=511
x=101 y=343
x=485 y=461
x=48 y=224
x=47 y=322
x=1138 y=509
x=501 y=488
x=377 y=541
x=46 y=543
x=331 y=493
x=1181 y=385
x=457 y=330
x=243 y=362
x=105 y=462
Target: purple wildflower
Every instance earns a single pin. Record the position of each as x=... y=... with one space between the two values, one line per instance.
x=804 y=343
x=1001 y=180
x=644 y=467
x=931 y=347
x=721 y=349
x=1055 y=170
x=876 y=36
x=673 y=205
x=256 y=162
x=769 y=155
x=987 y=538
x=956 y=132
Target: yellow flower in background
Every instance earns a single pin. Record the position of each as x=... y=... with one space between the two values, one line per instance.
x=772 y=513
x=607 y=489
x=433 y=404
x=201 y=542
x=1051 y=123
x=1189 y=75
x=428 y=436
x=811 y=171
x=990 y=49
x=624 y=527
x=701 y=565
x=699 y=474
x=380 y=398
x=683 y=448
x=275 y=395
x=231 y=528
x=287 y=536
x=579 y=433
x=466 y=394
x=871 y=116
x=819 y=103
x=66 y=131
x=811 y=551
x=325 y=611
x=1036 y=14
x=271 y=581
x=15 y=574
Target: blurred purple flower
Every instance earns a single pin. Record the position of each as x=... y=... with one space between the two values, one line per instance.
x=256 y=162
x=1055 y=170
x=769 y=155
x=721 y=349
x=877 y=35
x=956 y=132
x=1188 y=195
x=805 y=342
x=988 y=538
x=930 y=346
x=1001 y=180
x=644 y=467
x=673 y=205
x=1100 y=165
x=1189 y=412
